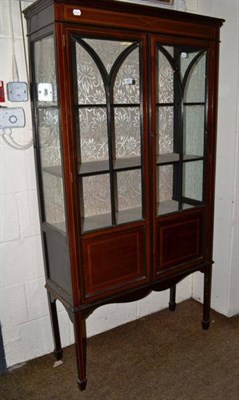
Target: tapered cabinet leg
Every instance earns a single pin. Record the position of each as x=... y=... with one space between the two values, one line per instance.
x=207 y=297
x=55 y=328
x=80 y=342
x=172 y=298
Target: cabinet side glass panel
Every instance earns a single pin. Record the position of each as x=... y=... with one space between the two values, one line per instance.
x=50 y=158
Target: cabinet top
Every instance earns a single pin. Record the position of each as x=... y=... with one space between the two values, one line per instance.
x=126 y=7
x=113 y=14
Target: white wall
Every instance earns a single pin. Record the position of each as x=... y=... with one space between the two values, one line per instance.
x=225 y=294
x=23 y=301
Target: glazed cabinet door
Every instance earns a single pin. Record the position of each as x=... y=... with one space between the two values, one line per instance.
x=108 y=107
x=179 y=109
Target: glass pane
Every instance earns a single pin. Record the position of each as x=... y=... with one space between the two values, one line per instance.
x=165 y=80
x=194 y=121
x=93 y=134
x=186 y=58
x=108 y=50
x=170 y=50
x=193 y=180
x=49 y=133
x=51 y=163
x=165 y=184
x=129 y=196
x=127 y=132
x=165 y=130
x=48 y=129
x=53 y=200
x=96 y=202
x=166 y=201
x=166 y=204
x=89 y=80
x=45 y=71
x=127 y=83
x=195 y=88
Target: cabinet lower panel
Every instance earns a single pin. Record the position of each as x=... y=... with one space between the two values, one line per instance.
x=112 y=261
x=179 y=240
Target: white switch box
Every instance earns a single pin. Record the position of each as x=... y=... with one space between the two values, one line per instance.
x=17 y=91
x=12 y=117
x=45 y=92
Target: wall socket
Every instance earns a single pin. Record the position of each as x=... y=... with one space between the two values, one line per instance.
x=17 y=91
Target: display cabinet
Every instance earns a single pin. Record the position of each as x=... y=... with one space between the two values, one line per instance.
x=124 y=103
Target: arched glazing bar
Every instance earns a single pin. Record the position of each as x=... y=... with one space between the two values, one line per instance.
x=185 y=163
x=108 y=78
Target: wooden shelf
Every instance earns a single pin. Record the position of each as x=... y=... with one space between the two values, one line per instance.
x=171 y=206
x=95 y=167
x=92 y=167
x=167 y=158
x=129 y=215
x=56 y=170
x=61 y=226
x=104 y=220
x=96 y=222
x=191 y=157
x=170 y=158
x=127 y=163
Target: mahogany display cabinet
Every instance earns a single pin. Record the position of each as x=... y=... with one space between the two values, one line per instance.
x=124 y=103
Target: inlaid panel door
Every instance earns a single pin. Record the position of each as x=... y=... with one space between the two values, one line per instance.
x=179 y=119
x=109 y=85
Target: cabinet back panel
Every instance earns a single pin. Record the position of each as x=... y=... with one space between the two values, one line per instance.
x=114 y=261
x=179 y=241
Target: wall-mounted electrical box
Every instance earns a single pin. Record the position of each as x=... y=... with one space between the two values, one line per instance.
x=17 y=91
x=45 y=92
x=12 y=117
